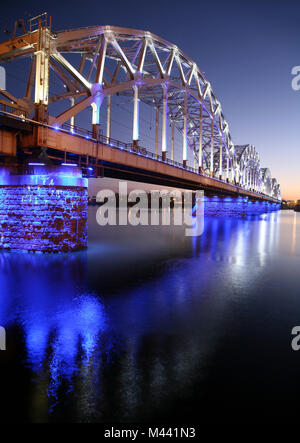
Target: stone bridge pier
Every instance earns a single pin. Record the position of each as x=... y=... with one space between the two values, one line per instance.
x=43 y=208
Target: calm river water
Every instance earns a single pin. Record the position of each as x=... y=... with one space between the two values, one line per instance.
x=150 y=325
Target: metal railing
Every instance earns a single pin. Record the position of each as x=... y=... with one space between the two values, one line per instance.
x=117 y=144
x=139 y=150
x=9 y=109
x=39 y=20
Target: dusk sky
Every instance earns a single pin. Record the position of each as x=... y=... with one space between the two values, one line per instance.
x=247 y=50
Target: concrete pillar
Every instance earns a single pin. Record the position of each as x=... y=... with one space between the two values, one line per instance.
x=43 y=209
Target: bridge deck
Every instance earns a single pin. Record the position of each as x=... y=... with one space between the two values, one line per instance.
x=116 y=159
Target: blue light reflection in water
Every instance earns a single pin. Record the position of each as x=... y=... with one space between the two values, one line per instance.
x=108 y=333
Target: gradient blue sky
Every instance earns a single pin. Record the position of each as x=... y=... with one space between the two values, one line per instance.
x=246 y=49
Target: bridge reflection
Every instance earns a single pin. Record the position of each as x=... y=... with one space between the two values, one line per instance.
x=96 y=357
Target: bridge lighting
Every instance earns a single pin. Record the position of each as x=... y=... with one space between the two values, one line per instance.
x=210 y=133
x=90 y=169
x=36 y=164
x=69 y=164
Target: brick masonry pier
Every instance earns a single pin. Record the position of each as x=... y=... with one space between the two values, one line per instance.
x=43 y=209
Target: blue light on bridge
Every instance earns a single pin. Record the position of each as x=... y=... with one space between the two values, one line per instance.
x=236 y=207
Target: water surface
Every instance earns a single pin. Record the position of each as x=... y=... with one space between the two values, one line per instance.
x=150 y=325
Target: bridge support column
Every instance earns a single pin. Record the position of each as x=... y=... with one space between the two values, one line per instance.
x=43 y=209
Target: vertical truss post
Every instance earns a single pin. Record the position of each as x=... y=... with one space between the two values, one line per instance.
x=96 y=106
x=108 y=117
x=42 y=54
x=200 y=154
x=184 y=146
x=72 y=119
x=164 y=123
x=156 y=129
x=136 y=106
x=212 y=148
x=232 y=171
x=173 y=140
x=221 y=159
x=227 y=167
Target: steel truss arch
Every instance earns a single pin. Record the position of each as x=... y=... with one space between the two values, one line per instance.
x=139 y=60
x=92 y=64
